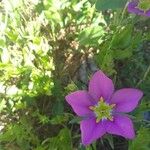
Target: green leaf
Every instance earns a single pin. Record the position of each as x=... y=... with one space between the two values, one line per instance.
x=110 y=4
x=2 y=43
x=105 y=60
x=142 y=141
x=75 y=120
x=122 y=54
x=59 y=119
x=12 y=35
x=110 y=141
x=2 y=104
x=58 y=108
x=91 y=35
x=62 y=141
x=92 y=1
x=123 y=37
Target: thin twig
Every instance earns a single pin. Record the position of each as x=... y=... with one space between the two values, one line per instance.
x=144 y=77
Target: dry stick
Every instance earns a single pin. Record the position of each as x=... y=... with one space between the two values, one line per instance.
x=144 y=77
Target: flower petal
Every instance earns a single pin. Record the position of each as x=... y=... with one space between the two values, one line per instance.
x=126 y=99
x=121 y=125
x=100 y=85
x=132 y=7
x=80 y=102
x=147 y=13
x=91 y=131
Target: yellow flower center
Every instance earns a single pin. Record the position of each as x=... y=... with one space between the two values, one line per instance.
x=102 y=110
x=144 y=5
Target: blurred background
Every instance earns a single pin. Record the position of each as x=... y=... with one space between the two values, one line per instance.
x=49 y=48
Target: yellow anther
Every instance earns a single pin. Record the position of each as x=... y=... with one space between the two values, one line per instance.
x=111 y=118
x=91 y=107
x=102 y=110
x=113 y=105
x=97 y=120
x=101 y=99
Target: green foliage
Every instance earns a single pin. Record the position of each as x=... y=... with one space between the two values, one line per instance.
x=142 y=140
x=43 y=47
x=21 y=133
x=64 y=137
x=91 y=36
x=122 y=38
x=109 y=4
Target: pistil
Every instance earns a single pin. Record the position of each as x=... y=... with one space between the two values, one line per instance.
x=144 y=5
x=102 y=110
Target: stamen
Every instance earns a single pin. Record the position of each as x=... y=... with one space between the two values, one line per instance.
x=91 y=107
x=101 y=99
x=97 y=120
x=102 y=110
x=111 y=118
x=113 y=105
x=144 y=5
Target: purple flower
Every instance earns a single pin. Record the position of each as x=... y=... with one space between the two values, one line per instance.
x=102 y=109
x=140 y=7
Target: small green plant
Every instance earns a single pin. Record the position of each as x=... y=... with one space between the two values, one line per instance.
x=49 y=48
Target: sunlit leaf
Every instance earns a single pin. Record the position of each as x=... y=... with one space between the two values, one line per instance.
x=110 y=4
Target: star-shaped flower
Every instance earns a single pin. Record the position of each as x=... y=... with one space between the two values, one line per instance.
x=103 y=110
x=139 y=7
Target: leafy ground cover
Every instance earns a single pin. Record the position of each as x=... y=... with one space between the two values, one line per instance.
x=49 y=48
